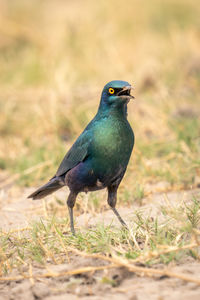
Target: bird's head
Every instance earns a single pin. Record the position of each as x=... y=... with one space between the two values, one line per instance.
x=116 y=94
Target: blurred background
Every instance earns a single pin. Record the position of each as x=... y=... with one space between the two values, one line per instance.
x=55 y=58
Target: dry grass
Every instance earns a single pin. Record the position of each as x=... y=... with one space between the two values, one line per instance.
x=171 y=238
x=55 y=57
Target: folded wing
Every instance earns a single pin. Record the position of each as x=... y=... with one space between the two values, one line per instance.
x=78 y=153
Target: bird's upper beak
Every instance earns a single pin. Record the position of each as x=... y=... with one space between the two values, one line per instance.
x=126 y=91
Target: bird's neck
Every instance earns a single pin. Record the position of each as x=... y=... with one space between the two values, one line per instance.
x=105 y=110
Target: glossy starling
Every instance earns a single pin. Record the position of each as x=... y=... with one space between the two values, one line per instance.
x=99 y=157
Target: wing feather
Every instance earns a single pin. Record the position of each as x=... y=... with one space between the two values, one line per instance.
x=78 y=152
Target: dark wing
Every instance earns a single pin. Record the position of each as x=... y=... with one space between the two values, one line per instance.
x=77 y=153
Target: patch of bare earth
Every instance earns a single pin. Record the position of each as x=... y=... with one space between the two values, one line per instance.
x=119 y=282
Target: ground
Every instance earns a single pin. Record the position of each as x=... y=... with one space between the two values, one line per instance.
x=18 y=212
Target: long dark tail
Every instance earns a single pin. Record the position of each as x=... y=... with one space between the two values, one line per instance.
x=53 y=185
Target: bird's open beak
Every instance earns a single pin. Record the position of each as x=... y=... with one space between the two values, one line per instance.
x=126 y=91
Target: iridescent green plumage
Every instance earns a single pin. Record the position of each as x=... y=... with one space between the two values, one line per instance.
x=100 y=155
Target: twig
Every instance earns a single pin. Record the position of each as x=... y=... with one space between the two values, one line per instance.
x=52 y=274
x=152 y=271
x=142 y=270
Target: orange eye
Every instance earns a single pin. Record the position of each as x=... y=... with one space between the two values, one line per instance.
x=111 y=91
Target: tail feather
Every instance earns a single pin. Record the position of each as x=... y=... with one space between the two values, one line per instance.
x=53 y=185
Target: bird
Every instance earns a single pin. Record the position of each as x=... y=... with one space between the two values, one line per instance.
x=99 y=157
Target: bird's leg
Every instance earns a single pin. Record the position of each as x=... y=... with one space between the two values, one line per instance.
x=70 y=203
x=112 y=199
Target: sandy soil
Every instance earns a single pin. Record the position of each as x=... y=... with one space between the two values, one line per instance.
x=17 y=211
